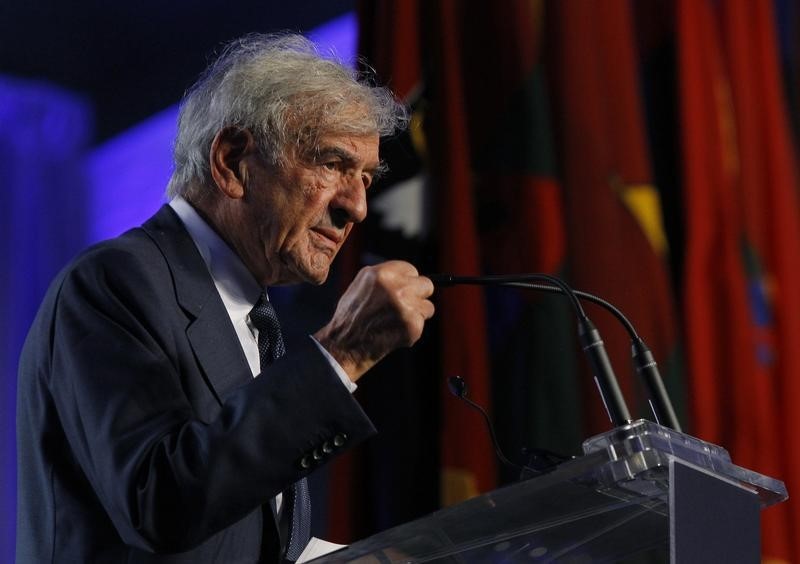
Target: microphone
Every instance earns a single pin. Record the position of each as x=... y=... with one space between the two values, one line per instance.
x=592 y=344
x=458 y=387
x=540 y=460
x=644 y=361
x=660 y=403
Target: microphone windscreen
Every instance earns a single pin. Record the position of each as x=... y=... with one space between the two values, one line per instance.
x=457 y=386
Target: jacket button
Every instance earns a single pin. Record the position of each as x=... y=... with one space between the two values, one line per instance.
x=317 y=454
x=327 y=448
x=305 y=462
x=339 y=439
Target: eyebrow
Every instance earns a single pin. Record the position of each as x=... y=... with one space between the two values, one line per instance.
x=377 y=170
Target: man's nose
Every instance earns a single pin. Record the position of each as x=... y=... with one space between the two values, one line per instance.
x=350 y=203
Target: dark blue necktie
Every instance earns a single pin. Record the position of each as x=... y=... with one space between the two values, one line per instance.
x=296 y=499
x=270 y=339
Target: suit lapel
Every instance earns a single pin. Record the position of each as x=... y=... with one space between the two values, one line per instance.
x=209 y=332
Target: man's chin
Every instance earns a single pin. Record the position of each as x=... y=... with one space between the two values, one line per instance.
x=317 y=280
x=313 y=270
x=314 y=275
x=298 y=277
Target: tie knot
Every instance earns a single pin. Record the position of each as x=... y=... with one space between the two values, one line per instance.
x=270 y=340
x=263 y=314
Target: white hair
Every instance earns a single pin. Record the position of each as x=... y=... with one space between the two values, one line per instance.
x=286 y=94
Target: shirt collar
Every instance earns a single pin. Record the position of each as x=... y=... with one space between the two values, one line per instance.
x=237 y=287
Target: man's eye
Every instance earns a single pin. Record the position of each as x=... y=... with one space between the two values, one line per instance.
x=330 y=165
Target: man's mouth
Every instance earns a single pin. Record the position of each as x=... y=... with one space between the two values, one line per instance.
x=331 y=235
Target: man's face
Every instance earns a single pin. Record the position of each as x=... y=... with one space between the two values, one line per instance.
x=294 y=220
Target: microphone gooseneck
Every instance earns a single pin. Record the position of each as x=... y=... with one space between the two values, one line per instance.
x=592 y=344
x=458 y=387
x=644 y=362
x=505 y=279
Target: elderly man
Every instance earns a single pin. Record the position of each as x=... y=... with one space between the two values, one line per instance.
x=160 y=418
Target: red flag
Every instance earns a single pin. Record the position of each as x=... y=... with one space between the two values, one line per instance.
x=743 y=242
x=768 y=183
x=617 y=244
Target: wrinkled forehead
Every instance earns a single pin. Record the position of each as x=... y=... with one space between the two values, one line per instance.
x=308 y=128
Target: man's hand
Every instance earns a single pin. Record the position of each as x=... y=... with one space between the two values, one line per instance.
x=384 y=308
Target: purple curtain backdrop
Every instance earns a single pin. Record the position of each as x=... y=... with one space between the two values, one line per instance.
x=44 y=135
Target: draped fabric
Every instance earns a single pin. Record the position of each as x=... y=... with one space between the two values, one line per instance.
x=44 y=133
x=671 y=188
x=617 y=246
x=741 y=307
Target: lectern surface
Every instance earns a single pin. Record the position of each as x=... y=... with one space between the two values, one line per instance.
x=610 y=505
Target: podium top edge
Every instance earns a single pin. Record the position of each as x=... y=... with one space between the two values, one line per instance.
x=627 y=445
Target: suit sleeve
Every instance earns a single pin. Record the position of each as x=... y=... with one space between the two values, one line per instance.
x=167 y=479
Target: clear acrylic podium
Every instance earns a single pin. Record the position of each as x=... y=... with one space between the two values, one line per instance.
x=640 y=493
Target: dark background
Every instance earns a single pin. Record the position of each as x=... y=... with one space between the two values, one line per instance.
x=133 y=59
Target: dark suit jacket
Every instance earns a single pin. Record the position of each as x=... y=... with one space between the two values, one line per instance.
x=142 y=435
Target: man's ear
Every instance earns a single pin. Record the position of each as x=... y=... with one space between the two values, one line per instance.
x=228 y=149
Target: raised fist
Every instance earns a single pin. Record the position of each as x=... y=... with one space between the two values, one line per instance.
x=383 y=309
